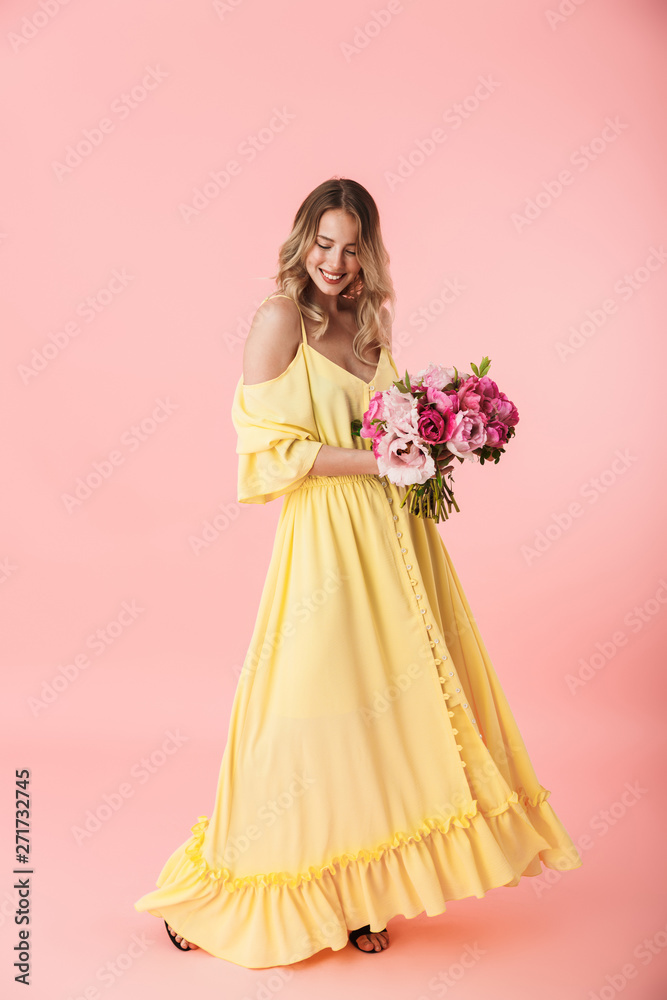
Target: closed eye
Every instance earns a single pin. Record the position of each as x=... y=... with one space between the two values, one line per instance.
x=351 y=252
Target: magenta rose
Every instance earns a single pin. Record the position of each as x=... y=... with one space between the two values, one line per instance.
x=435 y=427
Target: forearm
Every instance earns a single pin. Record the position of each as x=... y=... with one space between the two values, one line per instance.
x=334 y=461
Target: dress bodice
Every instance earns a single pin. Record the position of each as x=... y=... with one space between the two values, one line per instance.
x=282 y=422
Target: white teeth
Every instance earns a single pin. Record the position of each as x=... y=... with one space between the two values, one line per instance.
x=332 y=277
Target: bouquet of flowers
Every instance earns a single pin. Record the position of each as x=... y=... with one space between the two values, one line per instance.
x=419 y=426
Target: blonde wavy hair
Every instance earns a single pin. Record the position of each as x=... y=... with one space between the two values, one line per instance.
x=372 y=287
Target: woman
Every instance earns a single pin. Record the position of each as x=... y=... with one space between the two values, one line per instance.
x=373 y=766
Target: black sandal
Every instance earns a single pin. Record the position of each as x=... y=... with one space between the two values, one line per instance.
x=360 y=931
x=172 y=938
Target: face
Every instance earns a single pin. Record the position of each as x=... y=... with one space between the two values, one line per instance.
x=332 y=262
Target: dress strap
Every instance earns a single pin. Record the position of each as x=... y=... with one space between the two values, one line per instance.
x=282 y=295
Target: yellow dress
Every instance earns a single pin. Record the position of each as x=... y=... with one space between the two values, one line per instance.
x=373 y=766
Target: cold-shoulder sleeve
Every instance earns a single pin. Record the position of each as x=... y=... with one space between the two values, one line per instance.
x=277 y=434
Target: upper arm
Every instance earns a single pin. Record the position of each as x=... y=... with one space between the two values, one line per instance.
x=272 y=341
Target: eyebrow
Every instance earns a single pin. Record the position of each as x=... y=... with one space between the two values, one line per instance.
x=321 y=236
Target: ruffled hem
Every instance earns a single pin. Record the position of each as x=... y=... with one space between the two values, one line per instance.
x=279 y=918
x=223 y=876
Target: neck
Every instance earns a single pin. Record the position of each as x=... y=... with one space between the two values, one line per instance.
x=331 y=304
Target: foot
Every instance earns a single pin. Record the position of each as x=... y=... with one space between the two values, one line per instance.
x=373 y=941
x=180 y=941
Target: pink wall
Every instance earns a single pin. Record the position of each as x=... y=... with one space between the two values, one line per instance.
x=516 y=152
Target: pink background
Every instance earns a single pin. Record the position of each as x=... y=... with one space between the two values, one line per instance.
x=551 y=591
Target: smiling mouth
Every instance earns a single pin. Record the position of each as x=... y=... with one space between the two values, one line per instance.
x=332 y=278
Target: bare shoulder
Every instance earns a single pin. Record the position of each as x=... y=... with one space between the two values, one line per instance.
x=387 y=322
x=272 y=341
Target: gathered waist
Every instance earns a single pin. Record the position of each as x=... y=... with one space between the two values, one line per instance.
x=350 y=477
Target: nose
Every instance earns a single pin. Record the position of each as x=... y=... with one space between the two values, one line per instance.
x=336 y=258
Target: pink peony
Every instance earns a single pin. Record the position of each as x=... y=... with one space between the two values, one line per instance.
x=375 y=410
x=489 y=395
x=496 y=406
x=443 y=401
x=402 y=460
x=496 y=434
x=469 y=395
x=400 y=412
x=506 y=411
x=434 y=376
x=469 y=433
x=484 y=396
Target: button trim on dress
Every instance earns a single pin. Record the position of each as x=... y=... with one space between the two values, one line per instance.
x=438 y=660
